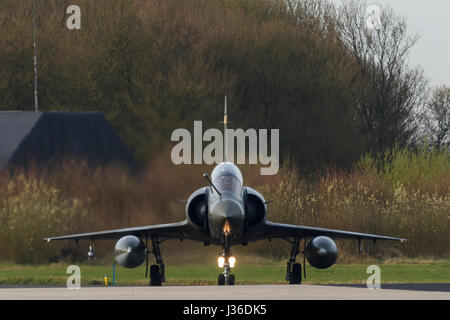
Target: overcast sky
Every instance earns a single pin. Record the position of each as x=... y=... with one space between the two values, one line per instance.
x=431 y=20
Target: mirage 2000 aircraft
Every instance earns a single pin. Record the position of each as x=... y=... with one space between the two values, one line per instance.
x=224 y=213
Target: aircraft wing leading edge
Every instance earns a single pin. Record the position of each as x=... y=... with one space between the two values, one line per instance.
x=280 y=230
x=166 y=231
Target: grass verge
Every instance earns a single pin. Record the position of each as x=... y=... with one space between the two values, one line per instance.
x=409 y=271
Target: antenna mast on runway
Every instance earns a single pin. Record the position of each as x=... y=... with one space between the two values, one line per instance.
x=36 y=104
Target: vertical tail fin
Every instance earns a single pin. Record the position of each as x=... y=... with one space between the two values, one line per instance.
x=225 y=122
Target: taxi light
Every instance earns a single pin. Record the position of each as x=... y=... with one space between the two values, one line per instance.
x=221 y=262
x=232 y=261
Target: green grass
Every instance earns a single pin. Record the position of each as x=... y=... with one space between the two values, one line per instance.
x=190 y=274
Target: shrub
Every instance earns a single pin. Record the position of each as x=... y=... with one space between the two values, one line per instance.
x=409 y=198
x=30 y=210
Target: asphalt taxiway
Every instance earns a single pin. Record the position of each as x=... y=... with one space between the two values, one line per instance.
x=238 y=292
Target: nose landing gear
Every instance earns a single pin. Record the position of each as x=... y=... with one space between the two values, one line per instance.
x=226 y=261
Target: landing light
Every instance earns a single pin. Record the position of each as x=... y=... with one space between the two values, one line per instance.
x=221 y=261
x=232 y=261
x=226 y=227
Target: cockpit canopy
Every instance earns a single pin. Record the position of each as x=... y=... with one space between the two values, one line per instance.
x=227 y=177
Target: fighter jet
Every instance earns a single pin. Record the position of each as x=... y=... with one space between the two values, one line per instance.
x=224 y=213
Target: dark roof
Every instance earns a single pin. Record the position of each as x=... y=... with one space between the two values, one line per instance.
x=44 y=136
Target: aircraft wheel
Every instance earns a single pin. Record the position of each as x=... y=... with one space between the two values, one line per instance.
x=221 y=280
x=231 y=279
x=155 y=275
x=296 y=275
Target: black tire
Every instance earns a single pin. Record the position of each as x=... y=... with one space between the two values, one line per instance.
x=221 y=280
x=231 y=279
x=296 y=274
x=155 y=276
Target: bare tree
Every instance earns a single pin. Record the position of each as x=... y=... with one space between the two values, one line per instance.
x=436 y=118
x=392 y=91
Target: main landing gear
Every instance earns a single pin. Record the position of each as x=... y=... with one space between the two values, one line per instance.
x=227 y=262
x=294 y=270
x=157 y=270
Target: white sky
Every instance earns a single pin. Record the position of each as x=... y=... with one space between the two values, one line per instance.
x=431 y=20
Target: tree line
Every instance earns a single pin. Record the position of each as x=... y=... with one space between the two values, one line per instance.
x=335 y=88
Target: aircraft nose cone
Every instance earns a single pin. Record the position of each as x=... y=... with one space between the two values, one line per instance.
x=228 y=215
x=227 y=208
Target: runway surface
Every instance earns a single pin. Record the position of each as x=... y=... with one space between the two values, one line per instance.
x=260 y=292
x=443 y=287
